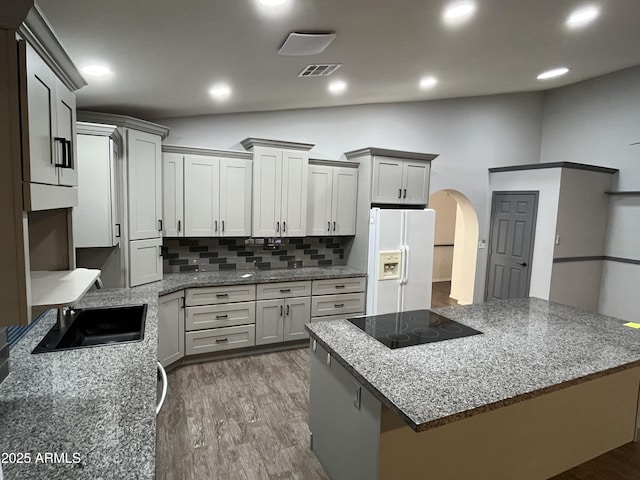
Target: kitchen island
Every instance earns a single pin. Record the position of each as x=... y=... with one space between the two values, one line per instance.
x=544 y=388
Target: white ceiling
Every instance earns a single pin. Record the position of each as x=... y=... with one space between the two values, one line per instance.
x=166 y=54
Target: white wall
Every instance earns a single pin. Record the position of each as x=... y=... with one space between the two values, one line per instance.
x=547 y=183
x=595 y=122
x=445 y=206
x=469 y=134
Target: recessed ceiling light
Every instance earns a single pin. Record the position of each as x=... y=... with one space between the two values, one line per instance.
x=553 y=73
x=428 y=82
x=220 y=91
x=96 y=70
x=272 y=3
x=582 y=16
x=337 y=87
x=459 y=12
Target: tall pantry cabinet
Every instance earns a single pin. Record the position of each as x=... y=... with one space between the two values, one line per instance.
x=142 y=229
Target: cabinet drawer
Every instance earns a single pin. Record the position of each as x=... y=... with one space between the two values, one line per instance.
x=338 y=285
x=216 y=316
x=348 y=303
x=215 y=295
x=268 y=291
x=218 y=339
x=336 y=317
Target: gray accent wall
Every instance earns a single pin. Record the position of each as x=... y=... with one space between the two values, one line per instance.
x=469 y=134
x=4 y=354
x=597 y=122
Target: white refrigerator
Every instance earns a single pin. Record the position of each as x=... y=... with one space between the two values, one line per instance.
x=400 y=262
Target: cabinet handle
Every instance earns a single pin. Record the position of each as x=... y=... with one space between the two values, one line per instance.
x=61 y=143
x=339 y=286
x=281 y=310
x=159 y=225
x=285 y=290
x=159 y=251
x=69 y=162
x=287 y=309
x=399 y=193
x=339 y=305
x=221 y=295
x=328 y=226
x=182 y=302
x=223 y=225
x=215 y=225
x=179 y=225
x=277 y=226
x=405 y=193
x=334 y=226
x=284 y=226
x=222 y=316
x=118 y=234
x=222 y=340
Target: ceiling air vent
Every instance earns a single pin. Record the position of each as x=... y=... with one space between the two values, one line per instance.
x=319 y=70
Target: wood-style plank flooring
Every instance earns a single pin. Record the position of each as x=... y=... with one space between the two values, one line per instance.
x=246 y=418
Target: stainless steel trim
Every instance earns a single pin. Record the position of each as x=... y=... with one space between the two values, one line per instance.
x=165 y=383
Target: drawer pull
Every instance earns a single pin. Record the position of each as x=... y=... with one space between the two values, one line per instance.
x=339 y=305
x=285 y=290
x=221 y=295
x=222 y=316
x=222 y=340
x=339 y=286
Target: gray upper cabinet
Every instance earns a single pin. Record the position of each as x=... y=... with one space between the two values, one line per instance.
x=279 y=187
x=332 y=197
x=399 y=181
x=172 y=195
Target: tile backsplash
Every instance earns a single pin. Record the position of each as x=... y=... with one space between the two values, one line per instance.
x=207 y=254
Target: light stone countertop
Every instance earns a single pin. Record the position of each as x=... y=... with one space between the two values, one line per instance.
x=100 y=402
x=529 y=347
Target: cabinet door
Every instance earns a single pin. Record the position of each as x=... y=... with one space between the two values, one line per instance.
x=171 y=328
x=93 y=224
x=145 y=185
x=267 y=192
x=145 y=261
x=172 y=195
x=319 y=200
x=387 y=180
x=269 y=321
x=297 y=312
x=344 y=198
x=201 y=196
x=294 y=193
x=66 y=128
x=415 y=183
x=235 y=197
x=41 y=114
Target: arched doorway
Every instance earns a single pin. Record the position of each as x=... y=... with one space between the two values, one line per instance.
x=456 y=242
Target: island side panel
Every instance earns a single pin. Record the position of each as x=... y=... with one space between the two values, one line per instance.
x=530 y=440
x=345 y=437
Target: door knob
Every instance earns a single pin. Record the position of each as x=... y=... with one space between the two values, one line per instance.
x=523 y=264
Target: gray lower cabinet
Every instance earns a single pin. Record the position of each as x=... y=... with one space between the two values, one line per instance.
x=171 y=328
x=344 y=419
x=282 y=320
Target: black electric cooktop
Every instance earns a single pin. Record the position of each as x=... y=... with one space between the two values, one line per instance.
x=415 y=327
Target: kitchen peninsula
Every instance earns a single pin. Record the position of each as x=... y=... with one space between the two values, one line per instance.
x=543 y=388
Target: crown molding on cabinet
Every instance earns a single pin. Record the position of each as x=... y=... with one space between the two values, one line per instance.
x=251 y=142
x=384 y=152
x=333 y=163
x=37 y=30
x=538 y=166
x=86 y=128
x=123 y=121
x=207 y=151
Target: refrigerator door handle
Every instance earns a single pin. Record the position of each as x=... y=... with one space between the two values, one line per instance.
x=406 y=264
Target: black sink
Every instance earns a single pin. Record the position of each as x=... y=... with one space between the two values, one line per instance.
x=91 y=327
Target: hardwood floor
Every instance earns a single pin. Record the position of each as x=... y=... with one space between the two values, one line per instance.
x=244 y=418
x=440 y=294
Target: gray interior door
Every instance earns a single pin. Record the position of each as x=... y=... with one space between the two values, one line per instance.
x=513 y=217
